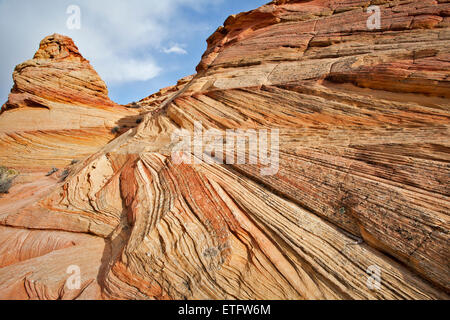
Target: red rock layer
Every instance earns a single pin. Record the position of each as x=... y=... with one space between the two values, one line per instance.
x=364 y=120
x=58 y=109
x=59 y=73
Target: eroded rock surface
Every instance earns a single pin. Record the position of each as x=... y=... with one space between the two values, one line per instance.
x=58 y=109
x=362 y=182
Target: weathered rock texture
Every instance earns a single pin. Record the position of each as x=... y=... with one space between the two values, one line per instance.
x=58 y=109
x=363 y=177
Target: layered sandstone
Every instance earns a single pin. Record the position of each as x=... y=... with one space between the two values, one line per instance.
x=362 y=182
x=58 y=109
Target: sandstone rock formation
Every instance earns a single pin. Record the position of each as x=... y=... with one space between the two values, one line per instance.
x=58 y=109
x=362 y=183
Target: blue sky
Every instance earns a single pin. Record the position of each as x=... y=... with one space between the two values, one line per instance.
x=137 y=46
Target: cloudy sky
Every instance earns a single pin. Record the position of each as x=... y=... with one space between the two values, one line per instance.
x=137 y=46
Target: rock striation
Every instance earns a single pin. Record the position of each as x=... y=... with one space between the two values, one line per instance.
x=58 y=109
x=361 y=187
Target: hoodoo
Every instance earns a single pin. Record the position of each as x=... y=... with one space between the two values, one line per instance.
x=358 y=208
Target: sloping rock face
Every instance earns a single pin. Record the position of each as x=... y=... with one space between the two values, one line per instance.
x=58 y=109
x=361 y=185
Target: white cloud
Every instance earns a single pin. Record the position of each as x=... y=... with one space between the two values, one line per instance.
x=120 y=38
x=126 y=70
x=175 y=49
